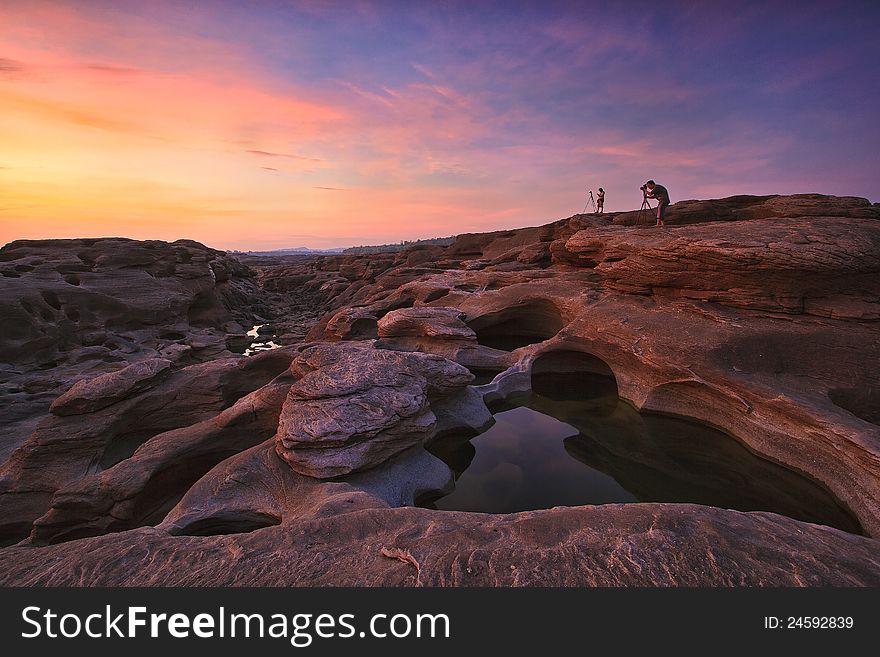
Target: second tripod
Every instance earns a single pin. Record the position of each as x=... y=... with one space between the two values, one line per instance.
x=590 y=201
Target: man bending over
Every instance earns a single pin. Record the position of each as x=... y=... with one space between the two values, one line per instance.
x=660 y=193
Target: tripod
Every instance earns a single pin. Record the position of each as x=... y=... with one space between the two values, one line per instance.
x=643 y=210
x=590 y=202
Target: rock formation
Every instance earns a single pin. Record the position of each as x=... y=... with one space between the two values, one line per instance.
x=825 y=266
x=356 y=407
x=75 y=309
x=140 y=450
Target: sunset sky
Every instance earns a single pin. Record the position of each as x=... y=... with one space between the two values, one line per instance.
x=270 y=124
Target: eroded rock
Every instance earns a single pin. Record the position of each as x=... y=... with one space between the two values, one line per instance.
x=357 y=406
x=744 y=207
x=758 y=317
x=351 y=324
x=72 y=450
x=89 y=395
x=77 y=309
x=819 y=266
x=140 y=489
x=427 y=322
x=611 y=545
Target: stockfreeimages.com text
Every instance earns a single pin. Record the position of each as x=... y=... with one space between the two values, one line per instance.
x=299 y=629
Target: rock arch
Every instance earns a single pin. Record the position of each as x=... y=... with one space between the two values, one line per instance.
x=519 y=325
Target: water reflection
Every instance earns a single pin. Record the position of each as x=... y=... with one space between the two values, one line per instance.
x=259 y=345
x=571 y=441
x=521 y=463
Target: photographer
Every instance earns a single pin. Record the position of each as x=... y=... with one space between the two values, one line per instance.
x=600 y=201
x=652 y=190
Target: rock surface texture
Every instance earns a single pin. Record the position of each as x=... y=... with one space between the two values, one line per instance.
x=75 y=309
x=356 y=407
x=139 y=447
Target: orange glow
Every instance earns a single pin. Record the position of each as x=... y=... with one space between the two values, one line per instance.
x=211 y=150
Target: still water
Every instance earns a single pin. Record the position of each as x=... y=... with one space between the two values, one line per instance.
x=257 y=345
x=572 y=441
x=521 y=463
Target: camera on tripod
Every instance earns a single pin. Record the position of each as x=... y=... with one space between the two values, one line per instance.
x=644 y=188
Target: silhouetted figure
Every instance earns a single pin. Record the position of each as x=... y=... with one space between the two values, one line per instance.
x=600 y=201
x=660 y=193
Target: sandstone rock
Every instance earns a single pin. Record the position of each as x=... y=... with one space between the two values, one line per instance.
x=611 y=545
x=75 y=309
x=648 y=340
x=89 y=395
x=818 y=205
x=257 y=489
x=140 y=489
x=818 y=266
x=744 y=374
x=351 y=324
x=62 y=289
x=402 y=479
x=739 y=208
x=357 y=406
x=65 y=450
x=462 y=411
x=251 y=490
x=761 y=323
x=430 y=322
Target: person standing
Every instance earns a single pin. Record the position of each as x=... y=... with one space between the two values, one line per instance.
x=660 y=193
x=600 y=201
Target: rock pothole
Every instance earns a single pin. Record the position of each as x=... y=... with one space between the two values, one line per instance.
x=570 y=441
x=517 y=326
x=484 y=375
x=863 y=402
x=229 y=523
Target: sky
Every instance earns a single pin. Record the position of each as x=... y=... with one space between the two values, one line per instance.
x=271 y=124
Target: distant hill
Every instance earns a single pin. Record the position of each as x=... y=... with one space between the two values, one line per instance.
x=300 y=250
x=378 y=248
x=400 y=246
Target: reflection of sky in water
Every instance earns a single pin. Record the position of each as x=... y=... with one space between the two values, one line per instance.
x=521 y=464
x=258 y=346
x=571 y=442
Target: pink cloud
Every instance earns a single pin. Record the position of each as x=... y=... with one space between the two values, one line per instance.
x=289 y=156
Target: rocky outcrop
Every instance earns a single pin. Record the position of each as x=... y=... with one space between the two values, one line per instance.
x=433 y=329
x=142 y=488
x=440 y=323
x=167 y=460
x=118 y=294
x=356 y=406
x=740 y=208
x=76 y=309
x=256 y=489
x=82 y=451
x=87 y=395
x=351 y=324
x=612 y=545
x=825 y=266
